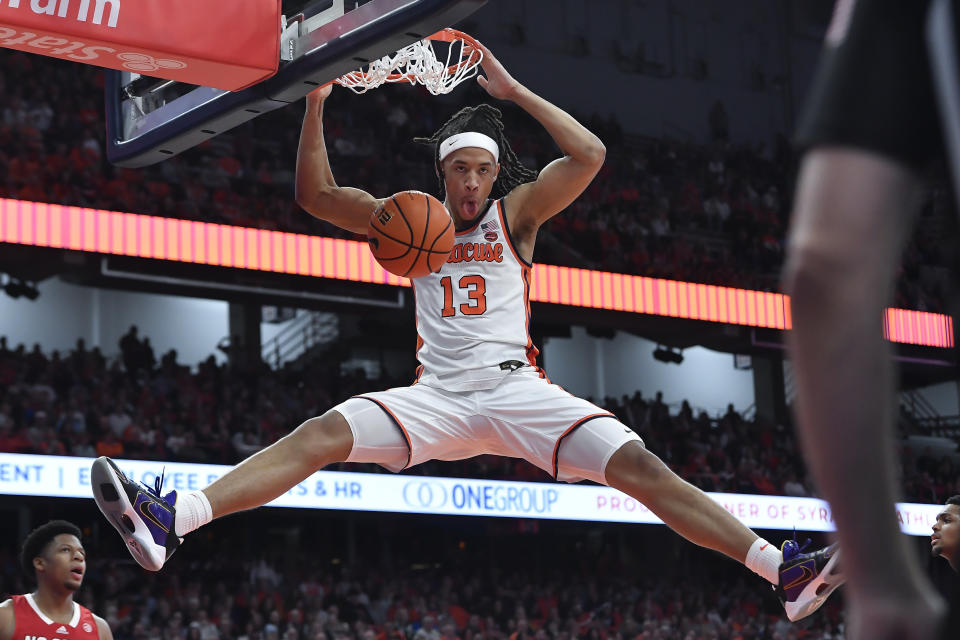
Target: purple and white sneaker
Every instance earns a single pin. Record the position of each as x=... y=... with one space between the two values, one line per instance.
x=139 y=513
x=807 y=579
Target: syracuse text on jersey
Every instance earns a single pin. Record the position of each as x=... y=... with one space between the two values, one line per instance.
x=61 y=9
x=476 y=252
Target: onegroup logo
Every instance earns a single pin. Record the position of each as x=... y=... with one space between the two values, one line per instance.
x=425 y=494
x=490 y=498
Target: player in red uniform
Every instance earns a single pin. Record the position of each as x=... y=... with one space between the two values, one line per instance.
x=53 y=556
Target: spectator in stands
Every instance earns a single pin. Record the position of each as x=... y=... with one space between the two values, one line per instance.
x=726 y=454
x=109 y=445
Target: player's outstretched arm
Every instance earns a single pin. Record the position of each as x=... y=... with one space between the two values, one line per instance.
x=316 y=190
x=7 y=620
x=561 y=181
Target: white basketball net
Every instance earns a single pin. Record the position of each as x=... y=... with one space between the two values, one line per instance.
x=418 y=64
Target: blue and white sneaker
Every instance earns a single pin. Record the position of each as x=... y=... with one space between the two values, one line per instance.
x=807 y=579
x=139 y=513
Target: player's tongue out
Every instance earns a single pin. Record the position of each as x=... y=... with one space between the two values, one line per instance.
x=470 y=208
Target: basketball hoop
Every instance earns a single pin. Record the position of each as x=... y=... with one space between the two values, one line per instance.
x=418 y=63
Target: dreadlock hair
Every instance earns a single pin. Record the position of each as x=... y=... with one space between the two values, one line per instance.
x=39 y=538
x=486 y=120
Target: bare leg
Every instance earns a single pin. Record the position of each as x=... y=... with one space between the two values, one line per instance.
x=682 y=507
x=850 y=218
x=281 y=466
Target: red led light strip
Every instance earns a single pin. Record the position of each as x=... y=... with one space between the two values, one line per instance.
x=50 y=225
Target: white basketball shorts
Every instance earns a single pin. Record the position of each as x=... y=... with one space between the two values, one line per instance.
x=525 y=416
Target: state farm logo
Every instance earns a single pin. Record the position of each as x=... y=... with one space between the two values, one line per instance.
x=82 y=52
x=61 y=9
x=142 y=62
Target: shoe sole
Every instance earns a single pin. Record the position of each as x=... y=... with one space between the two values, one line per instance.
x=111 y=497
x=816 y=593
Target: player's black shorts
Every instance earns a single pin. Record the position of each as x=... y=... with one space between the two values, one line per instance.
x=873 y=89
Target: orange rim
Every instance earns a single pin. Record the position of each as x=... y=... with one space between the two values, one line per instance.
x=449 y=35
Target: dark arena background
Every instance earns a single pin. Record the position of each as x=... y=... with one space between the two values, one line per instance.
x=656 y=294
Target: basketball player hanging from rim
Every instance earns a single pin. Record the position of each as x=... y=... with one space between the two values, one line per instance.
x=479 y=390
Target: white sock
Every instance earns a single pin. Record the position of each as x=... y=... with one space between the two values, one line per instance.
x=193 y=511
x=763 y=559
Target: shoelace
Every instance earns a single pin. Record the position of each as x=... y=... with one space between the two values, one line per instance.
x=157 y=486
x=797 y=547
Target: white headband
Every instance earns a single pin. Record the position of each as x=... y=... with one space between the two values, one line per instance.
x=469 y=139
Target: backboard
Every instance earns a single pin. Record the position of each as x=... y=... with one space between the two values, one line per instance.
x=149 y=119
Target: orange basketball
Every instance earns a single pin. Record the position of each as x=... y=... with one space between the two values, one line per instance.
x=411 y=234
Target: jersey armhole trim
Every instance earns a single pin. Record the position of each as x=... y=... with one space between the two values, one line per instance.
x=502 y=210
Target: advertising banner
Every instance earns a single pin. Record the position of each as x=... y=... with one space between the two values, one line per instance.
x=222 y=45
x=66 y=477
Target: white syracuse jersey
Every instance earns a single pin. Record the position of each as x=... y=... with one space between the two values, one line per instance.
x=473 y=317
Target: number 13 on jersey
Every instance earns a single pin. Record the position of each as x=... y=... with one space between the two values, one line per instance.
x=476 y=288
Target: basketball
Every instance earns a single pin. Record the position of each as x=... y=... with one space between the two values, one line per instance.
x=411 y=234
